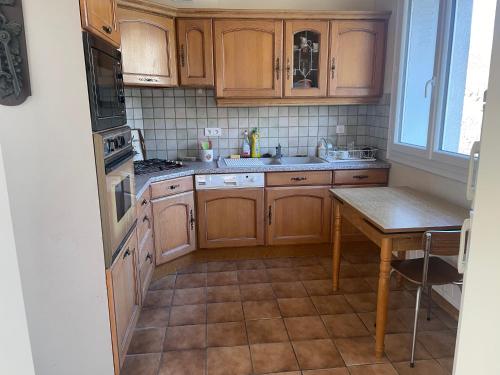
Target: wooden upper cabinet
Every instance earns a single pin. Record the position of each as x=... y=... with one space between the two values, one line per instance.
x=148 y=49
x=195 y=45
x=357 y=54
x=174 y=226
x=99 y=18
x=306 y=58
x=248 y=58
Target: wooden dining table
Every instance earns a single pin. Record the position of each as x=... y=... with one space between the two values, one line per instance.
x=395 y=219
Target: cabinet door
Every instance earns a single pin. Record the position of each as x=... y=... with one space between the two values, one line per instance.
x=306 y=58
x=124 y=297
x=194 y=40
x=148 y=49
x=99 y=18
x=230 y=217
x=174 y=224
x=357 y=54
x=248 y=56
x=298 y=215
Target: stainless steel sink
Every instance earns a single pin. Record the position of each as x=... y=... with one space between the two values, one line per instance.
x=271 y=162
x=292 y=160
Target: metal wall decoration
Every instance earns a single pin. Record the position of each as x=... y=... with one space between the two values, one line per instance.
x=14 y=73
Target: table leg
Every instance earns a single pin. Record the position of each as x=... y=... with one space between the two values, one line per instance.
x=337 y=239
x=383 y=294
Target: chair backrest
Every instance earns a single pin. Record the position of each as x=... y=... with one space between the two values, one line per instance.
x=441 y=243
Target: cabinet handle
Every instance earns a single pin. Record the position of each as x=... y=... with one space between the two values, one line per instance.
x=144 y=202
x=107 y=29
x=150 y=258
x=126 y=254
x=148 y=79
x=146 y=218
x=173 y=187
x=277 y=68
x=288 y=69
x=298 y=178
x=182 y=55
x=333 y=68
x=270 y=214
x=360 y=177
x=191 y=219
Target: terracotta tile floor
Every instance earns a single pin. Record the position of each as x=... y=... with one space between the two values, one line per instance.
x=280 y=316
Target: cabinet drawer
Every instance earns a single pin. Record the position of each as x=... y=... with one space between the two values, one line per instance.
x=298 y=178
x=143 y=203
x=361 y=177
x=146 y=249
x=171 y=187
x=144 y=223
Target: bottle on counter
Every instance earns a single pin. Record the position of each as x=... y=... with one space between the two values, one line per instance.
x=255 y=149
x=245 y=146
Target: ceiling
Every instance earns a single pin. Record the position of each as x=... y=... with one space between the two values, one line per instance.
x=274 y=4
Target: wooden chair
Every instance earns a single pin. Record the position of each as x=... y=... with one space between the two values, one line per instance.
x=430 y=270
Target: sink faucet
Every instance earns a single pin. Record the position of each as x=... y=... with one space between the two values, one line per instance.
x=278 y=155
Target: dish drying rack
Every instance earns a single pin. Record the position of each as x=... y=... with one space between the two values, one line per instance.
x=365 y=153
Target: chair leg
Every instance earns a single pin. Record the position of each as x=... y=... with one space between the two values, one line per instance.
x=414 y=339
x=429 y=304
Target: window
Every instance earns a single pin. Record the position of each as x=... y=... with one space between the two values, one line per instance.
x=443 y=74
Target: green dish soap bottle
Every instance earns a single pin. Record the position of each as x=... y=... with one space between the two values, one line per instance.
x=255 y=143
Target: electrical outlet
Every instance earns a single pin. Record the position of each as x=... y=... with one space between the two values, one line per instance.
x=213 y=132
x=340 y=129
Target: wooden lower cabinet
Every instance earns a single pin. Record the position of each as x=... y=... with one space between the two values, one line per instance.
x=230 y=217
x=298 y=215
x=123 y=298
x=174 y=226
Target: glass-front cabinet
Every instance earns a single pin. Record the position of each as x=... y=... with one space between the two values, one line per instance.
x=306 y=58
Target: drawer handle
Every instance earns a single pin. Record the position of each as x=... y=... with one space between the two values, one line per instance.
x=173 y=187
x=144 y=202
x=270 y=214
x=182 y=56
x=126 y=254
x=107 y=29
x=298 y=178
x=360 y=177
x=148 y=79
x=150 y=258
x=146 y=218
x=191 y=219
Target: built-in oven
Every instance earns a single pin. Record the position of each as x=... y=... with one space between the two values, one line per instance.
x=105 y=83
x=115 y=178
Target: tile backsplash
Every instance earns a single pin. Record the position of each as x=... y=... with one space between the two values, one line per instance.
x=173 y=122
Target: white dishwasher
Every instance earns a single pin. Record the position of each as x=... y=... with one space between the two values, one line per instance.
x=230 y=209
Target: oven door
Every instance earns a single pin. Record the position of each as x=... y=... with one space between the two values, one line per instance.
x=117 y=195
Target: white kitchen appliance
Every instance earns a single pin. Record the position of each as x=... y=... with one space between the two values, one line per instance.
x=229 y=181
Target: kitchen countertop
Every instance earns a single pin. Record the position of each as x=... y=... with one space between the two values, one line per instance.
x=195 y=168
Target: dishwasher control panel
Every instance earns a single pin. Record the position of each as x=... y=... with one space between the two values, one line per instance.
x=229 y=181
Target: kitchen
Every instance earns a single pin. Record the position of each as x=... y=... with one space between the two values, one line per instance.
x=231 y=264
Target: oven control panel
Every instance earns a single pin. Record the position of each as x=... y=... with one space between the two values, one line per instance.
x=229 y=181
x=115 y=141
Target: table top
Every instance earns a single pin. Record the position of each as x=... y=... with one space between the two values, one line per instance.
x=402 y=209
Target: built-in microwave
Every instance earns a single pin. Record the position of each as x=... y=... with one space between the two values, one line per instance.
x=105 y=83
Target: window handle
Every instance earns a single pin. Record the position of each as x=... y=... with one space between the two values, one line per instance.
x=431 y=83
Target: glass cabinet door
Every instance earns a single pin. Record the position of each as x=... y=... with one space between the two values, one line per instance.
x=306 y=58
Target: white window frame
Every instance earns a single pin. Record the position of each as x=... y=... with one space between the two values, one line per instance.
x=429 y=158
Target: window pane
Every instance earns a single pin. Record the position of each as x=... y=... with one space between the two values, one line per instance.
x=418 y=70
x=468 y=75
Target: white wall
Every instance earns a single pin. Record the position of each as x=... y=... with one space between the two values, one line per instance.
x=15 y=353
x=479 y=327
x=50 y=173
x=275 y=4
